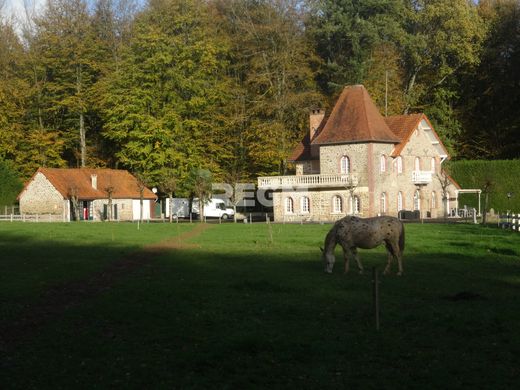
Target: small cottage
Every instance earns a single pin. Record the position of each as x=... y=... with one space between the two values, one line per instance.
x=86 y=194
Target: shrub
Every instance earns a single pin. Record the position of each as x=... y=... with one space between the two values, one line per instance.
x=10 y=183
x=497 y=178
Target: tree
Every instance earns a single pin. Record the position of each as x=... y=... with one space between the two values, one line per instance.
x=11 y=183
x=168 y=184
x=491 y=96
x=13 y=92
x=270 y=64
x=200 y=182
x=64 y=43
x=162 y=105
x=346 y=34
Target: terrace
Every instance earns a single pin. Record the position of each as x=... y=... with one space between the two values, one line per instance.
x=307 y=181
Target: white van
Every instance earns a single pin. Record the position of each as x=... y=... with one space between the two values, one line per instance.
x=214 y=208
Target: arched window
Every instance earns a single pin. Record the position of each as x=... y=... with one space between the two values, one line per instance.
x=289 y=205
x=306 y=205
x=433 y=203
x=400 y=201
x=399 y=164
x=382 y=163
x=355 y=205
x=344 y=165
x=432 y=165
x=382 y=205
x=416 y=200
x=337 y=204
x=447 y=203
x=417 y=164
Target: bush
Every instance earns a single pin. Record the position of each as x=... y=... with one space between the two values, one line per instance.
x=498 y=178
x=10 y=184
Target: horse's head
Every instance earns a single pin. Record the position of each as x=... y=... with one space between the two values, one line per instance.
x=328 y=260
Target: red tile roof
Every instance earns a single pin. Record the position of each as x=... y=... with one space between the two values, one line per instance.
x=404 y=125
x=302 y=151
x=125 y=186
x=354 y=119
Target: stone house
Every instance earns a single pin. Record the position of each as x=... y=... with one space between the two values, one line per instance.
x=355 y=161
x=85 y=194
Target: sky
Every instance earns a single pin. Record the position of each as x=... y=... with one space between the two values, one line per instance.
x=16 y=7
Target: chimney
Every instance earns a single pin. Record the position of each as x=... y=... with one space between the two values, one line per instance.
x=93 y=179
x=315 y=119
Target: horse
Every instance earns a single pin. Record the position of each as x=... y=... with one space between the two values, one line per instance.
x=353 y=232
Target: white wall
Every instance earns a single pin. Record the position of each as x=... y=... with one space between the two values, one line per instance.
x=136 y=209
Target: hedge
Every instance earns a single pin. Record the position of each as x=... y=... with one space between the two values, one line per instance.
x=502 y=177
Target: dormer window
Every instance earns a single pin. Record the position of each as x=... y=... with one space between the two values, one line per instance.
x=344 y=165
x=417 y=164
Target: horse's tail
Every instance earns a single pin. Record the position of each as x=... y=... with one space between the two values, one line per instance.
x=401 y=239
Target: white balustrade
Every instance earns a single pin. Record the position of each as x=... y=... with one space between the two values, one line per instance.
x=421 y=177
x=307 y=181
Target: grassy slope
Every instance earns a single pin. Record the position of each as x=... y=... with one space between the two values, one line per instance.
x=245 y=311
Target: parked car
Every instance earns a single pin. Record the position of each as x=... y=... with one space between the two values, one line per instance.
x=214 y=208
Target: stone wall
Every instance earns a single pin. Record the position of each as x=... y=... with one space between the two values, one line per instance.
x=321 y=204
x=124 y=209
x=40 y=197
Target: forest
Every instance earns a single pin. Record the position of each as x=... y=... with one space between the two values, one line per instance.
x=168 y=86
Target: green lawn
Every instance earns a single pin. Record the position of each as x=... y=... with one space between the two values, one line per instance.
x=249 y=306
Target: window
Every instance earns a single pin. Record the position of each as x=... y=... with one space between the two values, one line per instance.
x=434 y=201
x=306 y=205
x=432 y=165
x=337 y=204
x=382 y=204
x=382 y=163
x=400 y=201
x=416 y=200
x=345 y=165
x=417 y=164
x=399 y=164
x=289 y=205
x=355 y=205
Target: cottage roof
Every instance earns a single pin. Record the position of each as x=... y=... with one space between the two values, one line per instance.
x=354 y=119
x=403 y=127
x=125 y=186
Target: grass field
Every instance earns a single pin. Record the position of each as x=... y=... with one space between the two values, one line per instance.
x=248 y=306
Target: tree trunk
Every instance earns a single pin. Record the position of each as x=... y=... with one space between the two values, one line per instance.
x=171 y=207
x=82 y=140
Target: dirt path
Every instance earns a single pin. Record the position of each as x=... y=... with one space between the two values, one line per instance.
x=59 y=299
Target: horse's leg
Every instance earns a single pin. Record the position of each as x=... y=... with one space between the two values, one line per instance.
x=391 y=254
x=347 y=254
x=394 y=252
x=356 y=256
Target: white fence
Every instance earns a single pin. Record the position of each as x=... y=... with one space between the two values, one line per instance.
x=32 y=218
x=510 y=221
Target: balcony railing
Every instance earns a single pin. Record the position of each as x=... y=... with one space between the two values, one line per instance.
x=421 y=177
x=307 y=181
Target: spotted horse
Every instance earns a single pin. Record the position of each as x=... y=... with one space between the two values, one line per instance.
x=353 y=232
